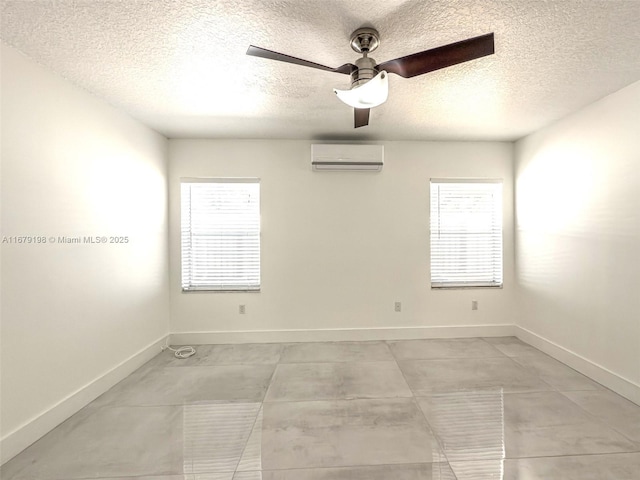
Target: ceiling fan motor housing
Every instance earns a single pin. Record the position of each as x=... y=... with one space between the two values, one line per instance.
x=364 y=40
x=366 y=71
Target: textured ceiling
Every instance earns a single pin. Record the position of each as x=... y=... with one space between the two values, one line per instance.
x=180 y=65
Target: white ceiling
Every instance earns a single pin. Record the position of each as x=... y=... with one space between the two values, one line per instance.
x=180 y=66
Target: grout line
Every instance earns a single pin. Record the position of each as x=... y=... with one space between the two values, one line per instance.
x=484 y=339
x=570 y=455
x=270 y=383
x=414 y=399
x=339 y=467
x=600 y=420
x=253 y=426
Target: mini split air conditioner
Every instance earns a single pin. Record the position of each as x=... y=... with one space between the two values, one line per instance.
x=347 y=157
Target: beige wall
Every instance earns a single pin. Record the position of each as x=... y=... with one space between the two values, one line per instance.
x=339 y=248
x=74 y=166
x=578 y=235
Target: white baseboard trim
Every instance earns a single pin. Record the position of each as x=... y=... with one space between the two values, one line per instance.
x=340 y=334
x=19 y=439
x=600 y=374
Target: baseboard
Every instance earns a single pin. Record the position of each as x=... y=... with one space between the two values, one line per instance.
x=16 y=441
x=340 y=334
x=600 y=374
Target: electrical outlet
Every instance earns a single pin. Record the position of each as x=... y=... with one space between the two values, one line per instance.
x=241 y=309
x=474 y=304
x=397 y=306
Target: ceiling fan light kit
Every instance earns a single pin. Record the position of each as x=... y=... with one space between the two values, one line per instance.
x=368 y=95
x=369 y=80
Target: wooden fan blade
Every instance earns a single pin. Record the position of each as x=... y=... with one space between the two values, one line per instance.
x=361 y=117
x=347 y=68
x=441 y=57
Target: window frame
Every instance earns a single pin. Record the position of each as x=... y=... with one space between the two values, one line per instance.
x=189 y=286
x=497 y=215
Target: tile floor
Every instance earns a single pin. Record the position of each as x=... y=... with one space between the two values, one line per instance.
x=465 y=409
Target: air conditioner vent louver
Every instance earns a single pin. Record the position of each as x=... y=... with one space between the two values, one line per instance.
x=333 y=157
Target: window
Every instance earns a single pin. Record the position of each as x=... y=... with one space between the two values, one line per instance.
x=466 y=233
x=220 y=234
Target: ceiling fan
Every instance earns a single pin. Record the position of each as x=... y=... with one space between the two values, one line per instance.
x=369 y=82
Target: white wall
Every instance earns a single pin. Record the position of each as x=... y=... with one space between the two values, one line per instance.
x=338 y=248
x=75 y=318
x=578 y=239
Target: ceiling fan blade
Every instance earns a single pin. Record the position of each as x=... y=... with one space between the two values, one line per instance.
x=347 y=68
x=440 y=57
x=361 y=117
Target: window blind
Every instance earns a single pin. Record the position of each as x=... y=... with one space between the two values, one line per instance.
x=466 y=233
x=220 y=226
